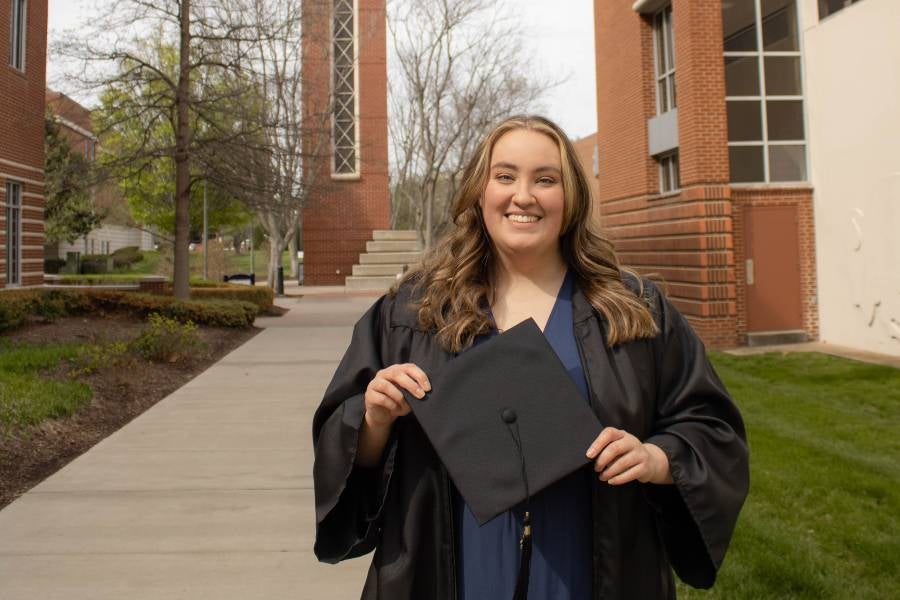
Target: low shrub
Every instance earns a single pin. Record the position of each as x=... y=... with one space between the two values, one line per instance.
x=96 y=263
x=17 y=306
x=263 y=297
x=127 y=256
x=93 y=357
x=168 y=340
x=53 y=266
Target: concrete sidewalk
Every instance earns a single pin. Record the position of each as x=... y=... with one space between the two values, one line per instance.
x=206 y=495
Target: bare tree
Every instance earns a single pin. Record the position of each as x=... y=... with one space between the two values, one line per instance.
x=459 y=68
x=291 y=139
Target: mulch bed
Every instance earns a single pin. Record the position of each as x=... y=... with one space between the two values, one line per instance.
x=28 y=456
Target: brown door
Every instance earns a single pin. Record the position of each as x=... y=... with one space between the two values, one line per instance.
x=773 y=268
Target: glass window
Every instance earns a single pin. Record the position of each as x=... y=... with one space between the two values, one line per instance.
x=746 y=163
x=782 y=75
x=344 y=89
x=787 y=163
x=755 y=135
x=779 y=19
x=785 y=119
x=17 y=34
x=13 y=233
x=739 y=25
x=744 y=121
x=663 y=40
x=741 y=76
x=829 y=7
x=668 y=173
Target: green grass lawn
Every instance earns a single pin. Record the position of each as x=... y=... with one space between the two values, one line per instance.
x=821 y=520
x=241 y=263
x=25 y=397
x=150 y=266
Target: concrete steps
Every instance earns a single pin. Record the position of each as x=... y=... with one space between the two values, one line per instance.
x=393 y=235
x=394 y=258
x=775 y=338
x=394 y=246
x=387 y=256
x=370 y=270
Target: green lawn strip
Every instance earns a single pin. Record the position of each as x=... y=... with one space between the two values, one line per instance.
x=824 y=505
x=27 y=399
x=147 y=266
x=240 y=263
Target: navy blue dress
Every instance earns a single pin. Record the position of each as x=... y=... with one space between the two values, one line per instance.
x=561 y=513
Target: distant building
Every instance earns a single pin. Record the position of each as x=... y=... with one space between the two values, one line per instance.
x=748 y=157
x=588 y=155
x=23 y=37
x=76 y=127
x=345 y=85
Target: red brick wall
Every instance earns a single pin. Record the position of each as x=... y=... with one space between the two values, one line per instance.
x=62 y=106
x=341 y=213
x=585 y=150
x=22 y=137
x=692 y=239
x=685 y=239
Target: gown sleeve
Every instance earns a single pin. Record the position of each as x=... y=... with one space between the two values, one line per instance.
x=349 y=498
x=699 y=428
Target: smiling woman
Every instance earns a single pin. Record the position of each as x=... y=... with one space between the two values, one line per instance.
x=660 y=485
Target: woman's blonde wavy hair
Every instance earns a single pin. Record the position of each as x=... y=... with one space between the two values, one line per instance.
x=452 y=283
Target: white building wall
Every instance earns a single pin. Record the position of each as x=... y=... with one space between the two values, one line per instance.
x=852 y=67
x=117 y=237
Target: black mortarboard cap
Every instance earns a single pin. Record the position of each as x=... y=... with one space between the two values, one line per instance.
x=506 y=419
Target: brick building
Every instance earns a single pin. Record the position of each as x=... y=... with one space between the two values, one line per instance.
x=23 y=37
x=345 y=97
x=117 y=231
x=703 y=161
x=588 y=154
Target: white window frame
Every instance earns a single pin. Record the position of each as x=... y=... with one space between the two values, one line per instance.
x=13 y=213
x=761 y=54
x=18 y=40
x=663 y=27
x=668 y=163
x=335 y=134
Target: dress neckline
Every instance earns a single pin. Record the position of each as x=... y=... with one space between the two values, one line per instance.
x=559 y=295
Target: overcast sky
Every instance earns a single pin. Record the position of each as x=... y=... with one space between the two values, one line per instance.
x=561 y=33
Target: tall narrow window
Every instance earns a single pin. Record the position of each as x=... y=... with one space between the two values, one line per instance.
x=664 y=46
x=668 y=173
x=763 y=91
x=345 y=157
x=829 y=7
x=13 y=233
x=17 y=34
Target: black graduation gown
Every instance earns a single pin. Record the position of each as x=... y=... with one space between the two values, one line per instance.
x=662 y=390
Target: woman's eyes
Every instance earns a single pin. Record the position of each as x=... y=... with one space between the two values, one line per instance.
x=507 y=178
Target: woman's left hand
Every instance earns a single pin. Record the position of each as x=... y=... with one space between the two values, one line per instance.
x=620 y=457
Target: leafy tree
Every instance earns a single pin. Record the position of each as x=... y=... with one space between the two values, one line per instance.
x=148 y=181
x=69 y=212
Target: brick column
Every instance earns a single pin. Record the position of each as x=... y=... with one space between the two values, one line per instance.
x=342 y=211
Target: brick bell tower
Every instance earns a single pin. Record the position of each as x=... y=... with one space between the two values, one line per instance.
x=345 y=111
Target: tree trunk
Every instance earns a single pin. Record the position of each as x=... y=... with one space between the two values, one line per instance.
x=429 y=219
x=276 y=248
x=181 y=274
x=295 y=264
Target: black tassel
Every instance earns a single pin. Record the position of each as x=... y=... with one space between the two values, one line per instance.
x=521 y=592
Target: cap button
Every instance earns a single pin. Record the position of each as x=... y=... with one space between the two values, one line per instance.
x=508 y=415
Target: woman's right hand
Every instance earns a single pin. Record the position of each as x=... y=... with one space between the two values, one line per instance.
x=383 y=399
